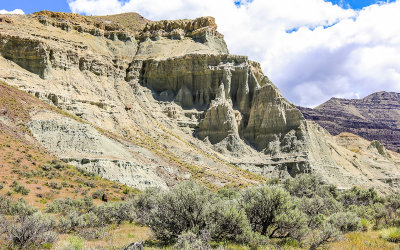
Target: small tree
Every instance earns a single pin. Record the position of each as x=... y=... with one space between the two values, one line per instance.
x=186 y=207
x=317 y=208
x=271 y=212
x=228 y=221
x=145 y=203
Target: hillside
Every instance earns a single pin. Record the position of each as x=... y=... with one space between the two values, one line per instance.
x=375 y=117
x=166 y=102
x=25 y=161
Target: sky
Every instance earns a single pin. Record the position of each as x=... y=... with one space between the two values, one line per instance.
x=311 y=49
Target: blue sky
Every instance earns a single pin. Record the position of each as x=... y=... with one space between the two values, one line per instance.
x=30 y=6
x=349 y=49
x=355 y=4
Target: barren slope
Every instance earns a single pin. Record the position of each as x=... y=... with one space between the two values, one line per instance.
x=171 y=103
x=24 y=160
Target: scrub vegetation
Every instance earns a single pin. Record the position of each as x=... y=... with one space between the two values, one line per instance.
x=298 y=213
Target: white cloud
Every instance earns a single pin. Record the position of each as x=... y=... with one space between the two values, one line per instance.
x=331 y=52
x=16 y=11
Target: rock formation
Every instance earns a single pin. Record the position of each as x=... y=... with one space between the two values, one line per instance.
x=165 y=101
x=375 y=117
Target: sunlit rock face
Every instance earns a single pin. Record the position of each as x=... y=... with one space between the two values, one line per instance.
x=160 y=102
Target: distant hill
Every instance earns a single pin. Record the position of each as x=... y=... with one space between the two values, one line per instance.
x=375 y=117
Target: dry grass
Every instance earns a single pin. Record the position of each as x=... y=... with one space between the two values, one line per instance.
x=131 y=21
x=391 y=234
x=116 y=238
x=22 y=158
x=362 y=240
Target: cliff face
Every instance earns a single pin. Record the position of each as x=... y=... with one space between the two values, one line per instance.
x=159 y=102
x=375 y=117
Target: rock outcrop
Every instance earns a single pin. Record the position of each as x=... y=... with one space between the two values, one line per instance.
x=166 y=102
x=220 y=120
x=375 y=117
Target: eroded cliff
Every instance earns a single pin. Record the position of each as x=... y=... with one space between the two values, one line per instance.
x=164 y=101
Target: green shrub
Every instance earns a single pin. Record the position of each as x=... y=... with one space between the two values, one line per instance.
x=366 y=225
x=54 y=185
x=75 y=243
x=326 y=233
x=190 y=240
x=392 y=206
x=228 y=221
x=271 y=212
x=391 y=234
x=273 y=181
x=67 y=205
x=20 y=208
x=359 y=197
x=345 y=221
x=18 y=188
x=185 y=207
x=91 y=220
x=317 y=208
x=91 y=233
x=304 y=185
x=46 y=167
x=115 y=212
x=228 y=193
x=71 y=222
x=32 y=230
x=145 y=203
x=97 y=194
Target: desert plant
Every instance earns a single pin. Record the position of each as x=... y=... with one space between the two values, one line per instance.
x=19 y=207
x=271 y=212
x=228 y=221
x=115 y=212
x=359 y=197
x=345 y=221
x=185 y=207
x=97 y=194
x=317 y=208
x=327 y=233
x=366 y=225
x=391 y=234
x=228 y=193
x=71 y=222
x=67 y=205
x=145 y=203
x=304 y=185
x=18 y=188
x=75 y=243
x=190 y=240
x=32 y=230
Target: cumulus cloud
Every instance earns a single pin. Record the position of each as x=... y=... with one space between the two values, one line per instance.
x=311 y=49
x=16 y=11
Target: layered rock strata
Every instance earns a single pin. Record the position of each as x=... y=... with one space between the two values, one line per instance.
x=375 y=117
x=170 y=103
